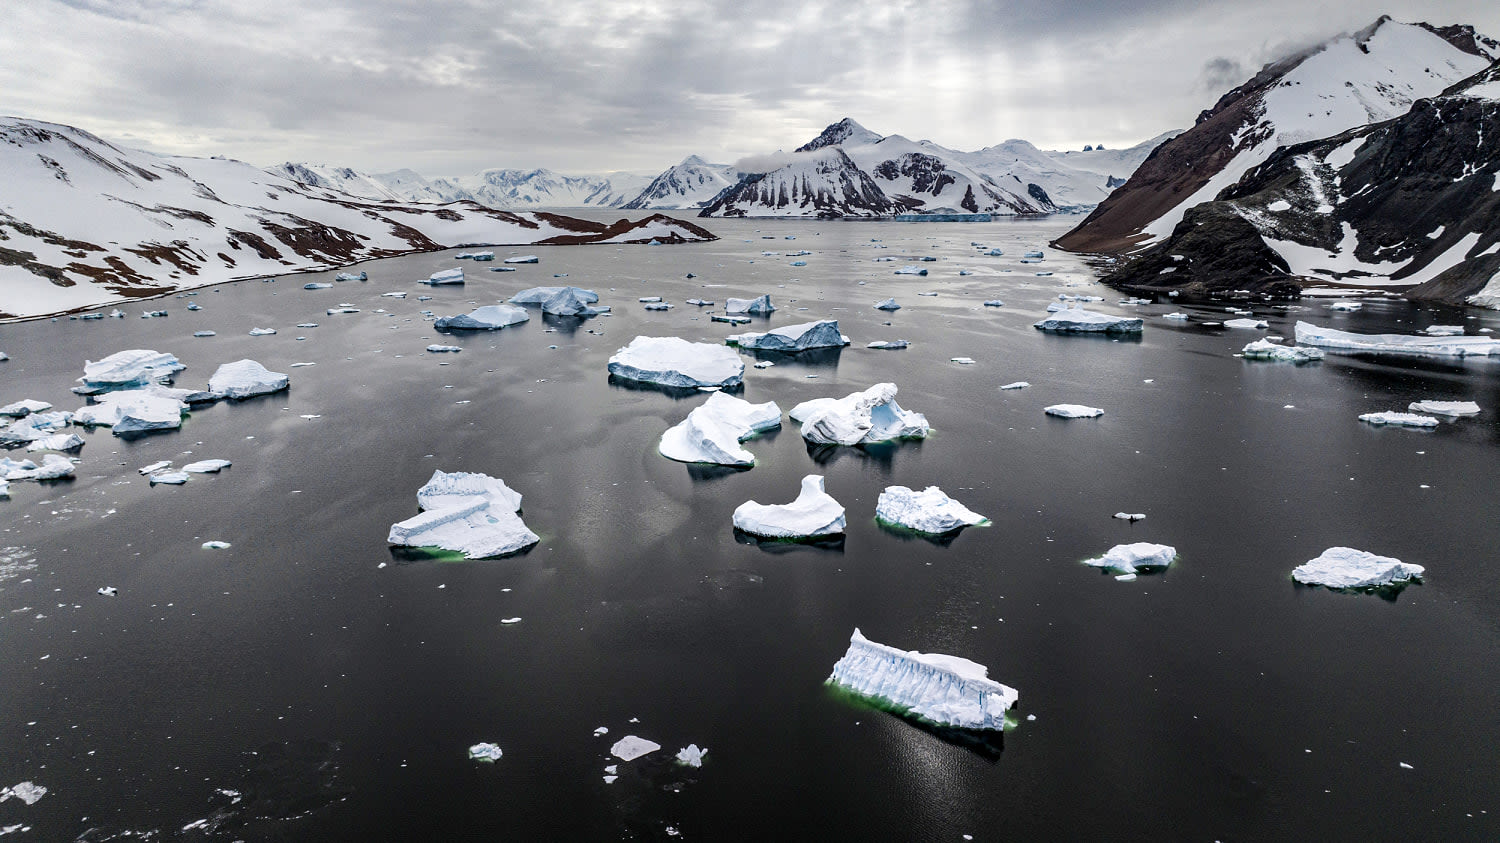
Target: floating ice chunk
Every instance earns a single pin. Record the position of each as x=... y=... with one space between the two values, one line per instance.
x=352 y=276
x=202 y=334
x=1347 y=568
x=1399 y=419
x=52 y=467
x=814 y=513
x=731 y=320
x=24 y=407
x=760 y=306
x=1445 y=408
x=126 y=369
x=1130 y=516
x=539 y=295
x=793 y=338
x=994 y=303
x=472 y=514
x=317 y=285
x=488 y=318
x=334 y=311
x=444 y=349
x=962 y=361
x=888 y=304
x=861 y=418
x=1073 y=411
x=262 y=332
x=1077 y=320
x=700 y=302
x=631 y=747
x=947 y=690
x=1264 y=349
x=109 y=591
x=600 y=732
x=672 y=361
x=509 y=621
x=1176 y=317
x=659 y=306
x=910 y=269
x=711 y=433
x=649 y=299
x=215 y=545
x=1016 y=385
x=1133 y=557
x=1444 y=330
x=27 y=792
x=155 y=467
x=485 y=752
x=524 y=259
x=572 y=301
x=135 y=410
x=447 y=276
x=1346 y=306
x=1461 y=346
x=170 y=478
x=206 y=466
x=927 y=511
x=57 y=442
x=246 y=378
x=889 y=345
x=691 y=755
x=1247 y=323
x=456 y=488
x=35 y=427
x=393 y=295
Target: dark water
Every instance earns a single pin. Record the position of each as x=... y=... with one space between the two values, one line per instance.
x=335 y=698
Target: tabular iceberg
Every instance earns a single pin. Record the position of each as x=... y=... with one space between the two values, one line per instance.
x=1076 y=320
x=712 y=432
x=1246 y=323
x=1073 y=411
x=673 y=361
x=947 y=690
x=472 y=514
x=135 y=410
x=760 y=306
x=813 y=514
x=927 y=511
x=862 y=418
x=447 y=276
x=126 y=369
x=1131 y=558
x=793 y=338
x=246 y=378
x=488 y=318
x=1399 y=419
x=1347 y=568
x=1267 y=350
x=24 y=407
x=1445 y=408
x=1459 y=346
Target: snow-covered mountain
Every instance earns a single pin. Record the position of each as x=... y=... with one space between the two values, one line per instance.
x=339 y=180
x=895 y=175
x=691 y=184
x=85 y=222
x=506 y=189
x=1352 y=80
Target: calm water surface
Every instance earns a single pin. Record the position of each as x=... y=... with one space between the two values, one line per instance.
x=311 y=683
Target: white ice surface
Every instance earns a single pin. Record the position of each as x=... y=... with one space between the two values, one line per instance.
x=1399 y=419
x=485 y=752
x=711 y=433
x=814 y=513
x=134 y=367
x=1264 y=349
x=473 y=514
x=1402 y=344
x=488 y=318
x=927 y=511
x=246 y=378
x=1130 y=558
x=1073 y=411
x=1345 y=567
x=944 y=689
x=672 y=361
x=631 y=747
x=1077 y=320
x=861 y=418
x=1445 y=408
x=793 y=338
x=758 y=306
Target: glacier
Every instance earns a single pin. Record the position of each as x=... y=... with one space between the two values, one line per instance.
x=1347 y=568
x=927 y=511
x=793 y=338
x=813 y=514
x=861 y=418
x=473 y=514
x=676 y=362
x=942 y=689
x=711 y=433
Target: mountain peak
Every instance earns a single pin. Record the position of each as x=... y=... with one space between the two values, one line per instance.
x=840 y=133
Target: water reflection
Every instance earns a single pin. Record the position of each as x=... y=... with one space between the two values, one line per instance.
x=781 y=546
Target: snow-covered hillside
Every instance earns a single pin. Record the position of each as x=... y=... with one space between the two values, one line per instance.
x=691 y=184
x=341 y=180
x=85 y=222
x=506 y=189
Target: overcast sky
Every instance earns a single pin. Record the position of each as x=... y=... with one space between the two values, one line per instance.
x=449 y=87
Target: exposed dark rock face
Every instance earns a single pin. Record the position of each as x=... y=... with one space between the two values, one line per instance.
x=830 y=185
x=925 y=171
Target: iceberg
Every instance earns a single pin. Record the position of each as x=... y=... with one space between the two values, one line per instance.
x=352 y=276
x=34 y=427
x=861 y=418
x=135 y=410
x=673 y=361
x=1399 y=419
x=1133 y=557
x=573 y=301
x=56 y=442
x=927 y=511
x=24 y=407
x=946 y=690
x=444 y=349
x=246 y=378
x=1073 y=411
x=1445 y=408
x=889 y=345
x=127 y=369
x=539 y=295
x=994 y=303
x=911 y=269
x=473 y=514
x=317 y=285
x=206 y=466
x=888 y=304
x=488 y=318
x=1345 y=341
x=52 y=467
x=27 y=792
x=262 y=332
x=1267 y=350
x=1130 y=516
x=760 y=306
x=711 y=433
x=1347 y=568
x=456 y=488
x=1017 y=385
x=691 y=755
x=631 y=747
x=813 y=514
x=524 y=259
x=1246 y=323
x=793 y=338
x=447 y=276
x=1444 y=330
x=485 y=752
x=170 y=478
x=1077 y=321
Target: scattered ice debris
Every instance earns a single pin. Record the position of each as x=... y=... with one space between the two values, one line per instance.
x=56 y=442
x=711 y=433
x=215 y=545
x=889 y=345
x=927 y=511
x=861 y=418
x=317 y=285
x=1461 y=346
x=1016 y=385
x=760 y=306
x=631 y=747
x=1347 y=568
x=485 y=752
x=601 y=731
x=446 y=276
x=488 y=318
x=27 y=792
x=24 y=407
x=1073 y=411
x=813 y=514
x=109 y=591
x=206 y=466
x=942 y=689
x=246 y=378
x=1134 y=557
x=1071 y=297
x=444 y=349
x=52 y=467
x=691 y=755
x=1445 y=408
x=1264 y=349
x=888 y=304
x=473 y=514
x=962 y=361
x=1077 y=320
x=673 y=361
x=1247 y=323
x=127 y=369
x=1399 y=419
x=1444 y=330
x=524 y=259
x=169 y=478
x=352 y=276
x=793 y=338
x=910 y=269
x=1130 y=516
x=994 y=303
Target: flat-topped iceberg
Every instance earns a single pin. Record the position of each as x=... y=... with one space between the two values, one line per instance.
x=631 y=747
x=127 y=369
x=1445 y=408
x=1131 y=558
x=539 y=295
x=1073 y=411
x=524 y=259
x=56 y=442
x=888 y=304
x=447 y=276
x=246 y=378
x=135 y=410
x=927 y=511
x=1347 y=568
x=1266 y=350
x=1076 y=320
x=1246 y=323
x=24 y=407
x=946 y=690
x=861 y=418
x=473 y=514
x=793 y=338
x=760 y=306
x=213 y=466
x=1399 y=419
x=1404 y=344
x=813 y=514
x=711 y=433
x=491 y=317
x=673 y=361
x=352 y=276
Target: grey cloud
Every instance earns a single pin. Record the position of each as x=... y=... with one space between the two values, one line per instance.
x=1219 y=74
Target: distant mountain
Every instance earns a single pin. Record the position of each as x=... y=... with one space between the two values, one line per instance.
x=823 y=183
x=85 y=222
x=691 y=184
x=1353 y=80
x=506 y=189
x=337 y=179
x=1411 y=201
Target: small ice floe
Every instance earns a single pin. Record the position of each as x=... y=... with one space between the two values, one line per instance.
x=1347 y=568
x=711 y=433
x=1402 y=344
x=446 y=276
x=1078 y=321
x=927 y=511
x=631 y=747
x=444 y=349
x=942 y=689
x=485 y=752
x=994 y=253
x=1073 y=411
x=1264 y=349
x=1176 y=317
x=910 y=269
x=1016 y=385
x=109 y=591
x=691 y=755
x=793 y=338
x=1247 y=323
x=473 y=514
x=524 y=259
x=262 y=332
x=994 y=303
x=488 y=318
x=135 y=411
x=193 y=306
x=813 y=514
x=509 y=621
x=27 y=792
x=759 y=306
x=169 y=478
x=676 y=362
x=307 y=324
x=352 y=276
x=1133 y=301
x=700 y=302
x=1130 y=516
x=215 y=545
x=861 y=418
x=24 y=407
x=317 y=285
x=1444 y=330
x=1445 y=408
x=649 y=299
x=56 y=442
x=393 y=295
x=482 y=256
x=659 y=306
x=1346 y=306
x=127 y=369
x=1134 y=557
x=1399 y=419
x=888 y=345
x=334 y=311
x=155 y=467
x=153 y=314
x=1085 y=299
x=763 y=364
x=206 y=466
x=601 y=731
x=52 y=467
x=204 y=334
x=888 y=304
x=962 y=361
x=245 y=379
